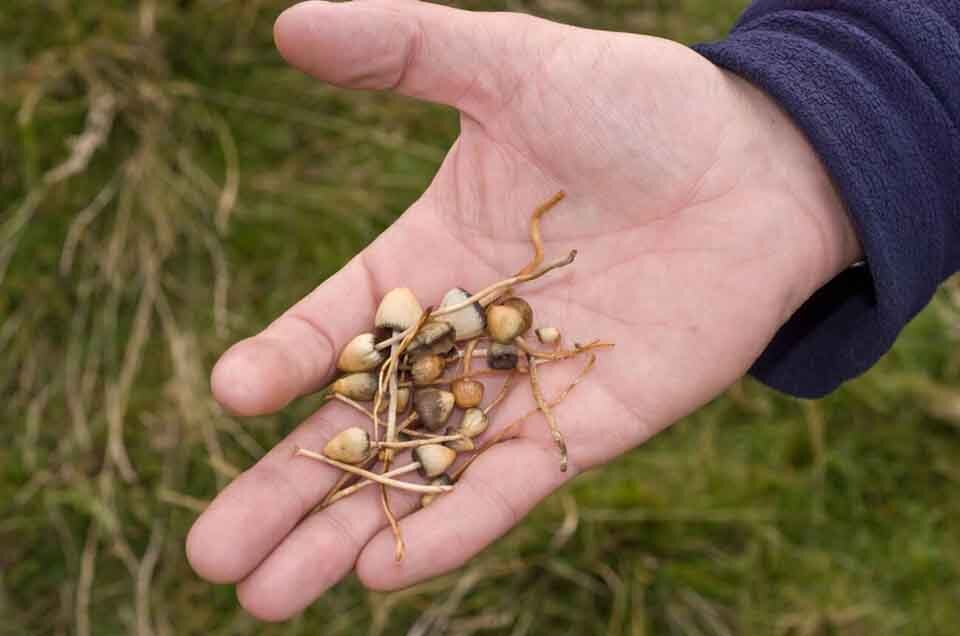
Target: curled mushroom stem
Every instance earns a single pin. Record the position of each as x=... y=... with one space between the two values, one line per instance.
x=535 y=238
x=366 y=474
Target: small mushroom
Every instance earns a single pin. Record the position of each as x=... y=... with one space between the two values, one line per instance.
x=474 y=423
x=356 y=386
x=462 y=445
x=403 y=400
x=434 y=459
x=509 y=319
x=548 y=335
x=349 y=446
x=399 y=310
x=435 y=336
x=426 y=369
x=433 y=407
x=467 y=392
x=523 y=307
x=360 y=355
x=467 y=322
x=441 y=480
x=501 y=356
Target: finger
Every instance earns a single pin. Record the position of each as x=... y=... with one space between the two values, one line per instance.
x=260 y=507
x=296 y=353
x=446 y=55
x=501 y=487
x=318 y=553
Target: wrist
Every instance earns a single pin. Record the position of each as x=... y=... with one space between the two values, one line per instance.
x=822 y=240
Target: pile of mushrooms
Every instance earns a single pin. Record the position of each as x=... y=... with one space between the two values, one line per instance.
x=416 y=368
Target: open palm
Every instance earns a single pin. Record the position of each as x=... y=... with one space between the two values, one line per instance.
x=702 y=220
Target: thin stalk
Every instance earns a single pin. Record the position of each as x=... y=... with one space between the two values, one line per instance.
x=366 y=474
x=346 y=492
x=535 y=238
x=548 y=414
x=420 y=442
x=511 y=427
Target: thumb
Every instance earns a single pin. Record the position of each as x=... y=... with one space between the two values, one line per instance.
x=459 y=58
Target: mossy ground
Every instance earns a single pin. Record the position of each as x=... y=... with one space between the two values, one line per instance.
x=222 y=186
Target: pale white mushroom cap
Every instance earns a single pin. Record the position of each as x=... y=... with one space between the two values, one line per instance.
x=467 y=322
x=399 y=310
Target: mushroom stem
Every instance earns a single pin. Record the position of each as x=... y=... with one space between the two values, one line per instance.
x=352 y=403
x=560 y=354
x=346 y=492
x=542 y=209
x=509 y=428
x=439 y=439
x=504 y=284
x=548 y=414
x=504 y=389
x=380 y=479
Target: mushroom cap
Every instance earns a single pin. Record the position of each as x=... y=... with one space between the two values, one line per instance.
x=467 y=392
x=426 y=369
x=502 y=356
x=523 y=307
x=474 y=423
x=434 y=459
x=462 y=445
x=468 y=322
x=435 y=336
x=433 y=407
x=349 y=446
x=399 y=310
x=548 y=335
x=360 y=355
x=505 y=323
x=360 y=386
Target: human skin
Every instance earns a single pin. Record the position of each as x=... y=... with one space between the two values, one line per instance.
x=702 y=217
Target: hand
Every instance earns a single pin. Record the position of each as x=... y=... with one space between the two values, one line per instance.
x=702 y=219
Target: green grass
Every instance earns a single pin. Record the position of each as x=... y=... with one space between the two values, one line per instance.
x=230 y=186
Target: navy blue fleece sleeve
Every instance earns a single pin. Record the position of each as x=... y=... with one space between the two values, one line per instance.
x=875 y=86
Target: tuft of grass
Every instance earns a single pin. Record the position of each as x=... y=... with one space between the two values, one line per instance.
x=168 y=186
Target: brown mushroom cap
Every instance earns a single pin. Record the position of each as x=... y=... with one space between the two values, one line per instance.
x=467 y=392
x=426 y=369
x=505 y=323
x=433 y=407
x=522 y=306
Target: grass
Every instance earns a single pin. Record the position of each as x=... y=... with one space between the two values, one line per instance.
x=211 y=187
